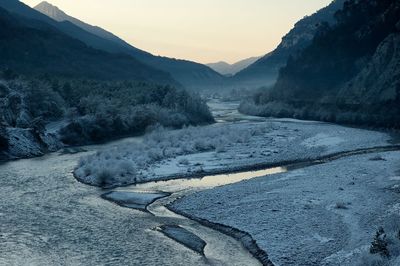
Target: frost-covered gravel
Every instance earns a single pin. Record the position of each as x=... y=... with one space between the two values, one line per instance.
x=220 y=148
x=294 y=216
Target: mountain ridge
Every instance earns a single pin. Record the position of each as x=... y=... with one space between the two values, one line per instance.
x=57 y=14
x=227 y=69
x=34 y=47
x=190 y=74
x=264 y=72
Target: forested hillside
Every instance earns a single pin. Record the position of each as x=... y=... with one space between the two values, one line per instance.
x=56 y=90
x=190 y=74
x=264 y=72
x=349 y=74
x=32 y=47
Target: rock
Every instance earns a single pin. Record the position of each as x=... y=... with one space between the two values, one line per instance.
x=133 y=200
x=186 y=238
x=24 y=143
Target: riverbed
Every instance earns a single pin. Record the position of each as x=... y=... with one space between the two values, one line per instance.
x=47 y=217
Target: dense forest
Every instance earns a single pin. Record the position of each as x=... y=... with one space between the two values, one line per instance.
x=49 y=112
x=348 y=74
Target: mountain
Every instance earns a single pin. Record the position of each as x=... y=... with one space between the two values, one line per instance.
x=190 y=74
x=349 y=74
x=19 y=8
x=264 y=71
x=231 y=69
x=33 y=47
x=58 y=15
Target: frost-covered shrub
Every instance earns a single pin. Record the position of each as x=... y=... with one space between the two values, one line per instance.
x=125 y=163
x=385 y=247
x=392 y=226
x=249 y=108
x=341 y=205
x=184 y=161
x=380 y=244
x=105 y=177
x=377 y=158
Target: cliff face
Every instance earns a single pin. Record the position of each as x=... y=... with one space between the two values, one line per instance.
x=20 y=134
x=350 y=73
x=379 y=81
x=375 y=90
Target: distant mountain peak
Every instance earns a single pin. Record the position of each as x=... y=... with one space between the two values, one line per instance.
x=45 y=4
x=57 y=14
x=51 y=11
x=227 y=69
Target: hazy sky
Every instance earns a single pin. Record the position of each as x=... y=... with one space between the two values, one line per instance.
x=201 y=30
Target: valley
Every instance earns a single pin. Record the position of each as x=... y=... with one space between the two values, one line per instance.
x=113 y=235
x=111 y=154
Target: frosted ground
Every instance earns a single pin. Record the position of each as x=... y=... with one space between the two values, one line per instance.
x=221 y=148
x=325 y=214
x=97 y=231
x=320 y=215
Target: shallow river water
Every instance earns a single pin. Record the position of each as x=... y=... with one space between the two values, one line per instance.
x=48 y=218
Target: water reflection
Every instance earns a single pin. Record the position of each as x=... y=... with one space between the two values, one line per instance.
x=207 y=181
x=220 y=180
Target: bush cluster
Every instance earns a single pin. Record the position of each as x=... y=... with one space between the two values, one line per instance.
x=96 y=110
x=124 y=164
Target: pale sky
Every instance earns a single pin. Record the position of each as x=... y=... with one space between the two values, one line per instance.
x=204 y=31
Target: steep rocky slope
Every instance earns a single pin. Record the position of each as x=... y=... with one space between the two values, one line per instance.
x=349 y=74
x=377 y=85
x=265 y=71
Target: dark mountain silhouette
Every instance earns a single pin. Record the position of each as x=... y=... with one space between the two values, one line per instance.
x=58 y=15
x=33 y=47
x=349 y=74
x=231 y=69
x=264 y=72
x=190 y=74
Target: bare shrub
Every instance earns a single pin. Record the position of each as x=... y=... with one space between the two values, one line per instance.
x=184 y=161
x=341 y=205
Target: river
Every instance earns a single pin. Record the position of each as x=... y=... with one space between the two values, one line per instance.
x=48 y=218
